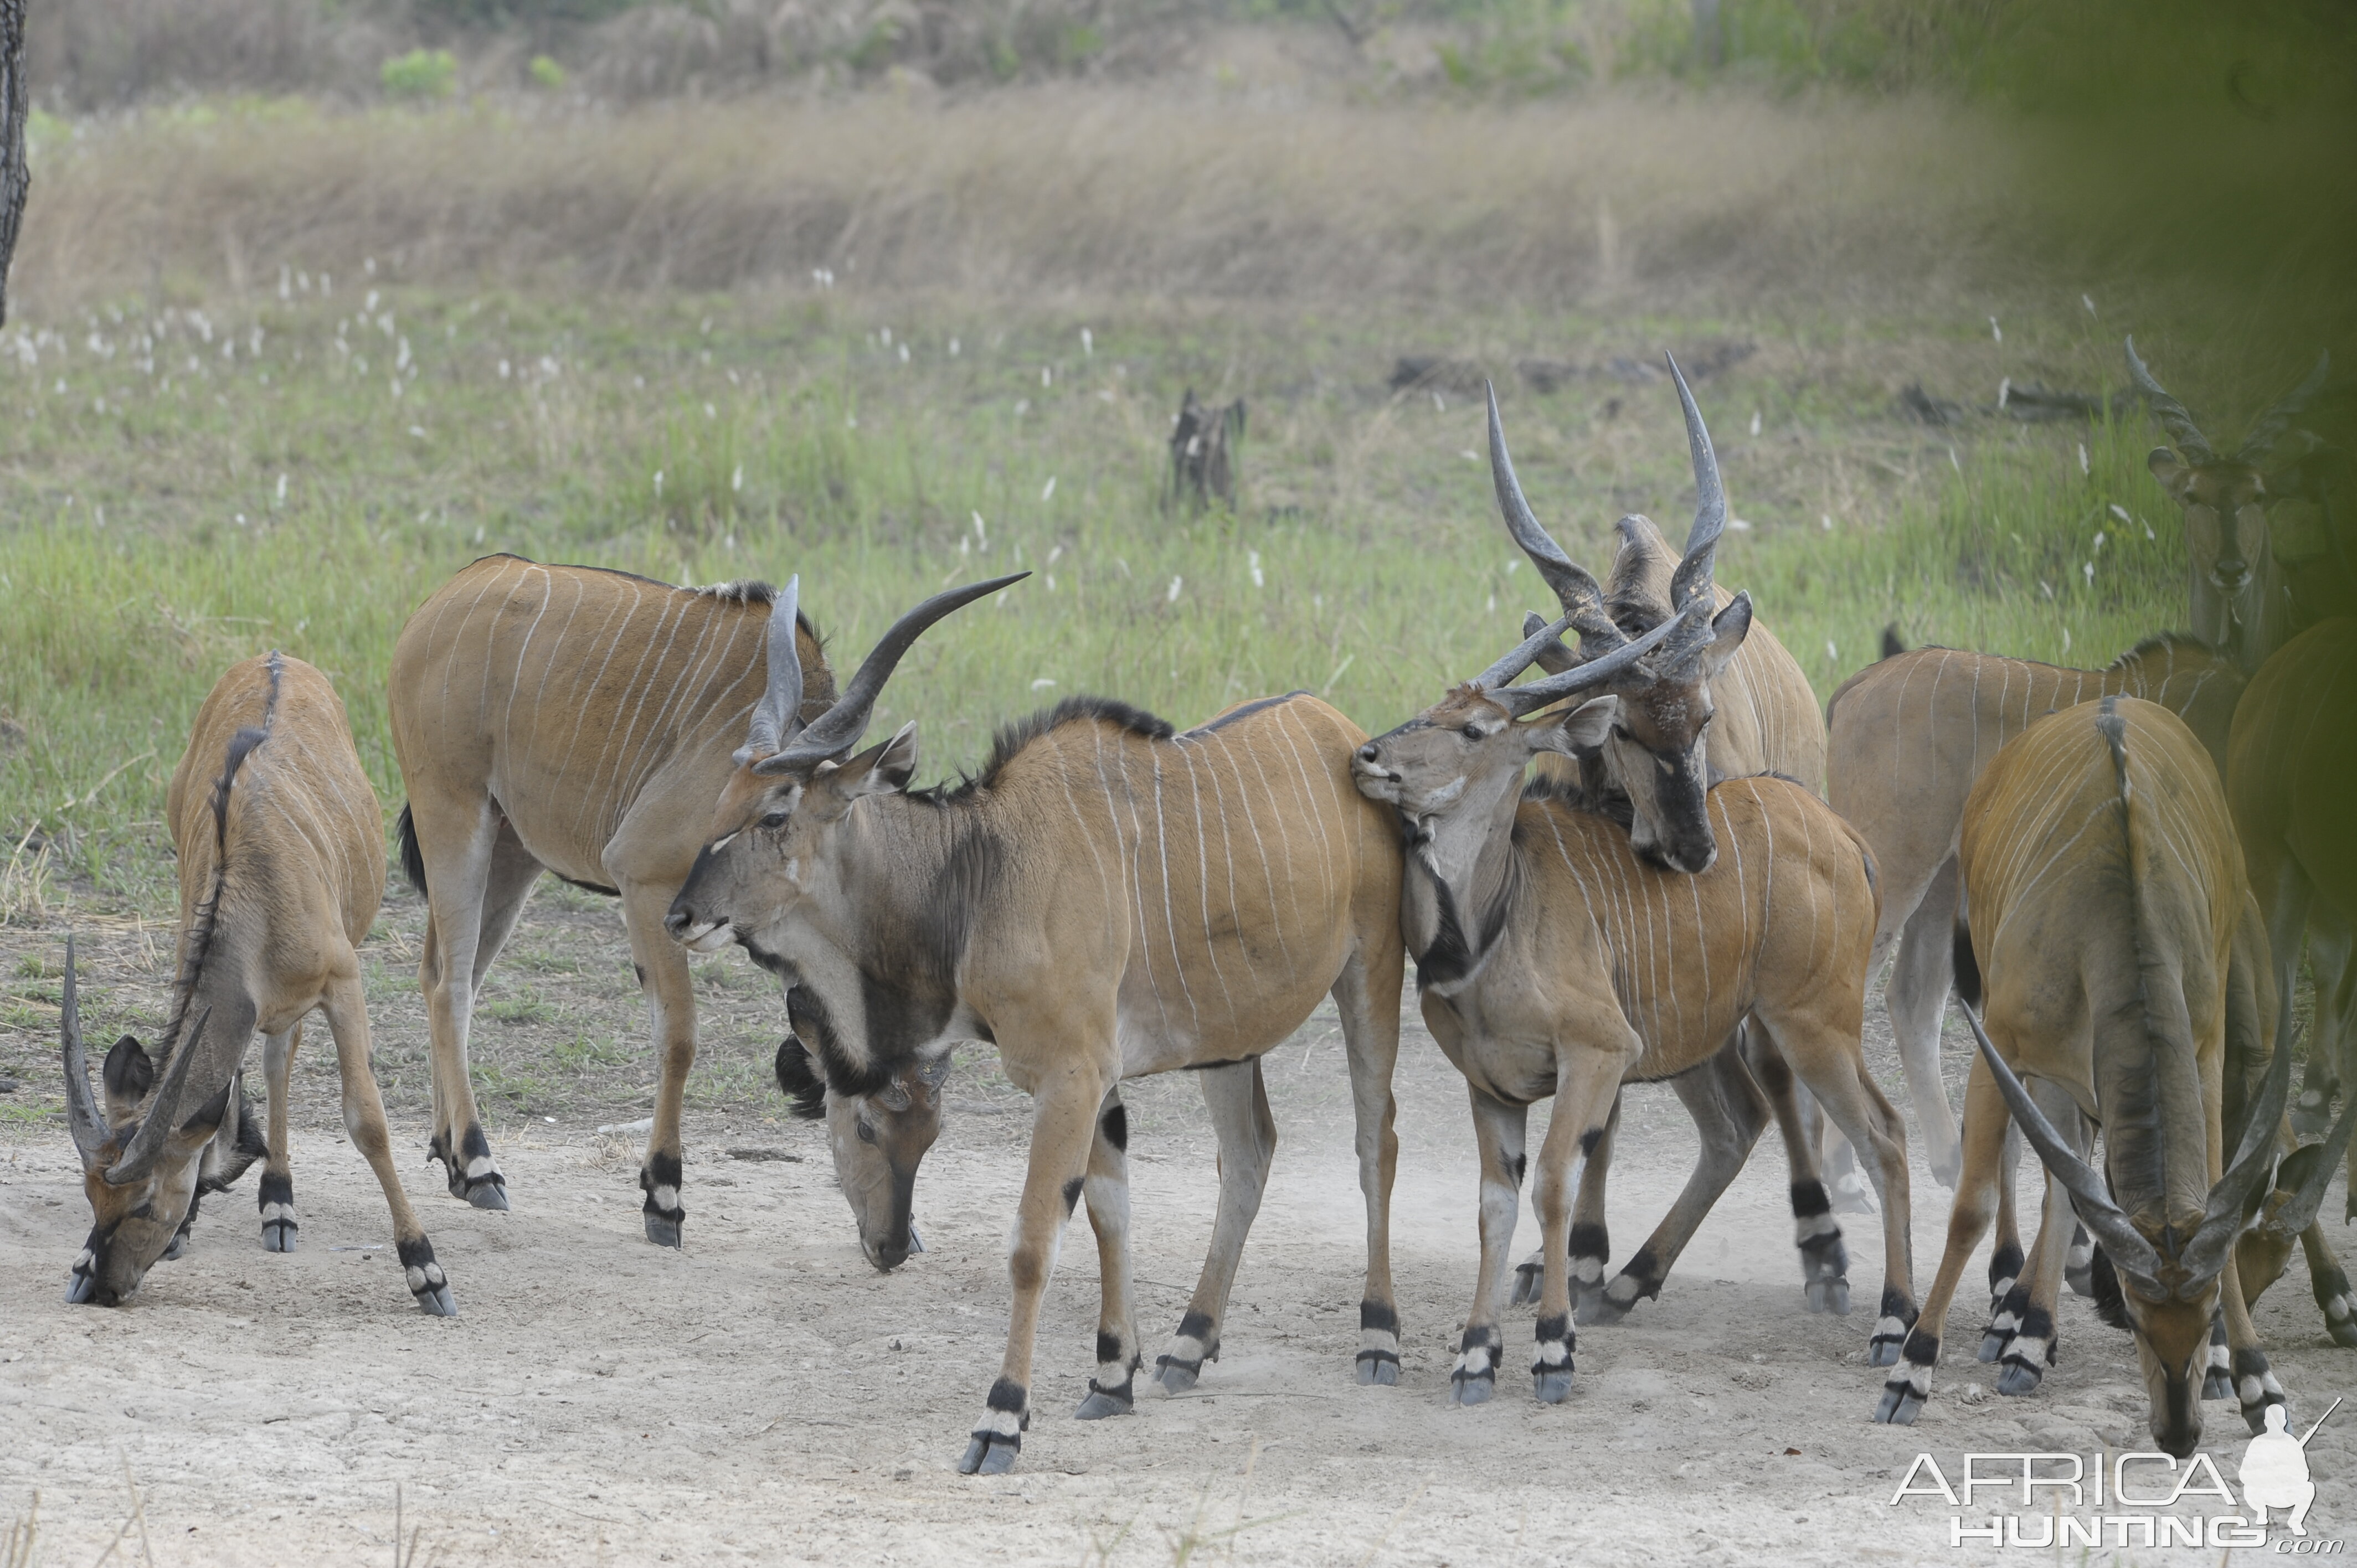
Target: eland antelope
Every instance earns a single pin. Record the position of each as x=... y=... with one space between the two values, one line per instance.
x=1554 y=959
x=1106 y=899
x=282 y=867
x=2289 y=769
x=2235 y=586
x=577 y=721
x=2108 y=898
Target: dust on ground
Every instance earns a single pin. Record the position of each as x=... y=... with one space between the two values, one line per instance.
x=764 y=1396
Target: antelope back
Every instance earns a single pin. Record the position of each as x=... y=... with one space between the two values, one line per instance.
x=1784 y=917
x=567 y=693
x=2106 y=886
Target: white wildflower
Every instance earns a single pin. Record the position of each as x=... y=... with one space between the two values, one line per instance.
x=1755 y=422
x=2084 y=469
x=737 y=479
x=1172 y=596
x=1253 y=558
x=1088 y=342
x=1041 y=685
x=1048 y=490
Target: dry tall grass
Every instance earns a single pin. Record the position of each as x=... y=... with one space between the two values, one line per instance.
x=1038 y=192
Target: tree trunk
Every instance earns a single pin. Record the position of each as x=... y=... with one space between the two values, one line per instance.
x=1710 y=45
x=15 y=107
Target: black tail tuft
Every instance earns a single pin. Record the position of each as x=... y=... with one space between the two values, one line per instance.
x=2106 y=1283
x=413 y=859
x=1968 y=967
x=1891 y=647
x=799 y=1077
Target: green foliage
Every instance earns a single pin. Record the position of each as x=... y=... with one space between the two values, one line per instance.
x=547 y=74
x=421 y=76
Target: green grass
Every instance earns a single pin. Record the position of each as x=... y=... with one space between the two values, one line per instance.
x=163 y=521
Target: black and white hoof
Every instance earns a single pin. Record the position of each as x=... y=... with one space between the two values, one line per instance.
x=1891 y=1326
x=999 y=1438
x=1551 y=1372
x=2218 y=1371
x=1474 y=1379
x=2079 y=1263
x=2004 y=1322
x=2312 y=1114
x=2256 y=1388
x=276 y=1197
x=1591 y=1246
x=658 y=1178
x=1112 y=1391
x=1907 y=1389
x=2031 y=1353
x=2340 y=1308
x=1824 y=1261
x=425 y=1278
x=1377 y=1360
x=474 y=1174
x=1177 y=1369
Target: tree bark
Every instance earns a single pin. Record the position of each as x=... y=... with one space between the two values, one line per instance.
x=15 y=107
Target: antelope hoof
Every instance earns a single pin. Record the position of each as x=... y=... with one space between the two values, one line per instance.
x=659 y=1179
x=425 y=1278
x=1551 y=1373
x=1175 y=1375
x=476 y=1178
x=1527 y=1277
x=277 y=1198
x=278 y=1235
x=180 y=1245
x=989 y=1454
x=1611 y=1304
x=2340 y=1308
x=1852 y=1194
x=1551 y=1387
x=1103 y=1402
x=1379 y=1368
x=1948 y=1167
x=1903 y=1395
x=2312 y=1114
x=487 y=1192
x=1466 y=1388
x=2256 y=1387
x=2019 y=1377
x=1829 y=1295
x=2217 y=1376
x=1890 y=1329
x=1474 y=1379
x=2004 y=1322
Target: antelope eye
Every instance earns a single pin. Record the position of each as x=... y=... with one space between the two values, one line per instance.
x=776 y=819
x=866 y=1133
x=1471 y=732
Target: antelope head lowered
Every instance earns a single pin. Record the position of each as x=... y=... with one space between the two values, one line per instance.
x=142 y=1170
x=782 y=842
x=1655 y=711
x=2236 y=594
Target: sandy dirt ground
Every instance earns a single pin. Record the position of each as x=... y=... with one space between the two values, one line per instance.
x=763 y=1396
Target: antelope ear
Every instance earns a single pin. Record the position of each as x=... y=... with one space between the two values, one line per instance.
x=1728 y=632
x=2175 y=475
x=1581 y=732
x=881 y=769
x=129 y=1074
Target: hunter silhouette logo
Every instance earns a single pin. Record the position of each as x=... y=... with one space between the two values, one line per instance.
x=2130 y=1498
x=2274 y=1471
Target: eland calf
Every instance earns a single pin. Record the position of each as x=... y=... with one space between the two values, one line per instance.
x=282 y=867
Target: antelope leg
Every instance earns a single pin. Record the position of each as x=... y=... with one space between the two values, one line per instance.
x=275 y=1191
x=1985 y=1120
x=669 y=988
x=1365 y=996
x=1499 y=1130
x=346 y=1009
x=1824 y=1261
x=1587 y=1090
x=1106 y=1190
x=1238 y=1103
x=1063 y=1135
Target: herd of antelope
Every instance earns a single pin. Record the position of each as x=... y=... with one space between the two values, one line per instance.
x=1657 y=860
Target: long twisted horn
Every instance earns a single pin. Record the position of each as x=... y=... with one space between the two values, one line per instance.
x=2090 y=1195
x=779 y=712
x=90 y=1130
x=1521 y=700
x=1692 y=578
x=837 y=730
x=163 y=1112
x=2231 y=1201
x=2270 y=426
x=2170 y=412
x=1582 y=599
